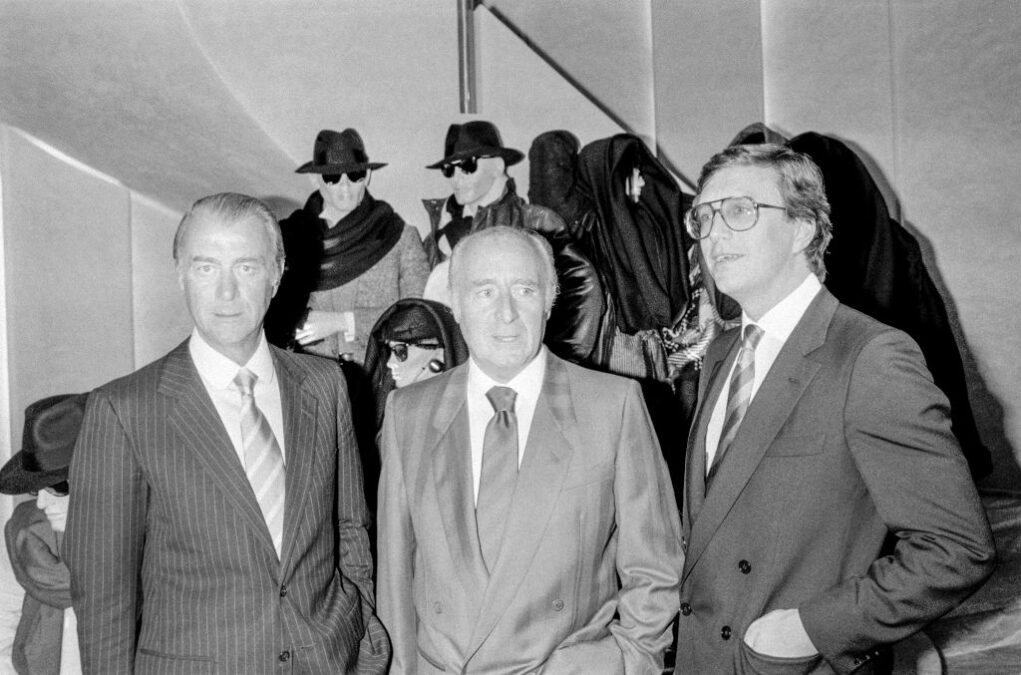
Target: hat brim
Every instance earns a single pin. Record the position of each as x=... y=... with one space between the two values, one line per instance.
x=15 y=480
x=510 y=156
x=310 y=167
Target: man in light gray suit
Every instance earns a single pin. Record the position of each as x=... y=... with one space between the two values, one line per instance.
x=218 y=520
x=526 y=517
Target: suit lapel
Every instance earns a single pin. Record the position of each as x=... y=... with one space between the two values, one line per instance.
x=449 y=446
x=195 y=419
x=712 y=385
x=551 y=442
x=299 y=412
x=773 y=404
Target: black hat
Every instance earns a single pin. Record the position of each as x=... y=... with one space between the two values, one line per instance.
x=51 y=429
x=475 y=139
x=338 y=153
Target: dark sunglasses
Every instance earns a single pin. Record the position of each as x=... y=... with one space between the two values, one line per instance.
x=60 y=489
x=467 y=167
x=353 y=176
x=400 y=349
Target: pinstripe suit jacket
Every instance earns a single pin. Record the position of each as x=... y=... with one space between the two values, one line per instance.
x=172 y=565
x=593 y=500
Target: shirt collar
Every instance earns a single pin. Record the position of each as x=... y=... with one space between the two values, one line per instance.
x=779 y=322
x=219 y=371
x=527 y=383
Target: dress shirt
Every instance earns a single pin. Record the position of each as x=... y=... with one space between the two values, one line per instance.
x=218 y=373
x=527 y=384
x=777 y=325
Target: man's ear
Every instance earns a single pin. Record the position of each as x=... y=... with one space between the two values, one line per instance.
x=804 y=233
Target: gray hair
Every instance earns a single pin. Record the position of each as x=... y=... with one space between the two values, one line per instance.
x=231 y=207
x=801 y=187
x=536 y=241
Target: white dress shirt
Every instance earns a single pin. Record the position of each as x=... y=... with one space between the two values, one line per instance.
x=527 y=384
x=218 y=373
x=777 y=325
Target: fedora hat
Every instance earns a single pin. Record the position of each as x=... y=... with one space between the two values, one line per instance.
x=51 y=429
x=338 y=152
x=475 y=139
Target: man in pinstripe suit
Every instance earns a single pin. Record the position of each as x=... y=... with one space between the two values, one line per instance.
x=218 y=521
x=526 y=519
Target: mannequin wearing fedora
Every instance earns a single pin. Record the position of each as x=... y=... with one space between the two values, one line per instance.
x=46 y=641
x=349 y=256
x=475 y=163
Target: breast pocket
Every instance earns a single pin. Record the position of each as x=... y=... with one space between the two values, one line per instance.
x=590 y=476
x=798 y=445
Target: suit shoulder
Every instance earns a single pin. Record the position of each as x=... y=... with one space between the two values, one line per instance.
x=854 y=330
x=145 y=378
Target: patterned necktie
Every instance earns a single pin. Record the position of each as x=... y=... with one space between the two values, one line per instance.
x=739 y=397
x=499 y=473
x=264 y=463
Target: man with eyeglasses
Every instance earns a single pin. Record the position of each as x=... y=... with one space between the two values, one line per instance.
x=349 y=256
x=475 y=163
x=828 y=511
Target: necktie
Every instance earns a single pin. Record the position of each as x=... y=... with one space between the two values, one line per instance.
x=739 y=397
x=499 y=472
x=264 y=463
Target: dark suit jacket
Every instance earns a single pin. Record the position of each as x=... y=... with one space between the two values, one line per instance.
x=172 y=565
x=593 y=501
x=847 y=441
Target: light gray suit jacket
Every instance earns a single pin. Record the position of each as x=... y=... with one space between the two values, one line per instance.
x=593 y=504
x=172 y=566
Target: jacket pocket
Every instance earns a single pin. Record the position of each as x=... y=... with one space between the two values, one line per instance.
x=752 y=662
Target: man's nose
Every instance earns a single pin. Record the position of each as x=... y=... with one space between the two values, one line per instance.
x=508 y=308
x=227 y=286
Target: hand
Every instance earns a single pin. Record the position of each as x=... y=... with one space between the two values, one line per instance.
x=780 y=633
x=320 y=325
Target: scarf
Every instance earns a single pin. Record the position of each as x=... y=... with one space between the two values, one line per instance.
x=358 y=241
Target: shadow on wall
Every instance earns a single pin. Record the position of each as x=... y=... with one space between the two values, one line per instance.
x=986 y=408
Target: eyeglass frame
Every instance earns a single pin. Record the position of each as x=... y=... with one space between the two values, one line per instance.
x=468 y=166
x=352 y=176
x=60 y=489
x=399 y=348
x=718 y=209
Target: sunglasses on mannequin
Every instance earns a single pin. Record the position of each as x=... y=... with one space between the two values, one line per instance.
x=467 y=167
x=353 y=176
x=400 y=349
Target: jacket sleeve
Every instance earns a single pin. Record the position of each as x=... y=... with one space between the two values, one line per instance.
x=649 y=557
x=414 y=264
x=104 y=539
x=896 y=425
x=396 y=545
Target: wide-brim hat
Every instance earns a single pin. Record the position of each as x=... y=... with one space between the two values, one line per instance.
x=338 y=152
x=475 y=139
x=51 y=429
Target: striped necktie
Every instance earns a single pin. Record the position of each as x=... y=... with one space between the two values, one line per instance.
x=264 y=463
x=499 y=473
x=739 y=397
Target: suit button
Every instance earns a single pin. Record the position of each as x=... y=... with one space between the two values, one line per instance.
x=285 y=656
x=744 y=566
x=685 y=609
x=283 y=591
x=558 y=605
x=438 y=608
x=725 y=632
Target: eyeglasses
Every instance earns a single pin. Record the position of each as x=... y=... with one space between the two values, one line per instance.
x=60 y=489
x=400 y=349
x=739 y=214
x=353 y=176
x=467 y=167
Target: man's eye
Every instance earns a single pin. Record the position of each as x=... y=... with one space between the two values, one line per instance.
x=204 y=270
x=246 y=268
x=485 y=292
